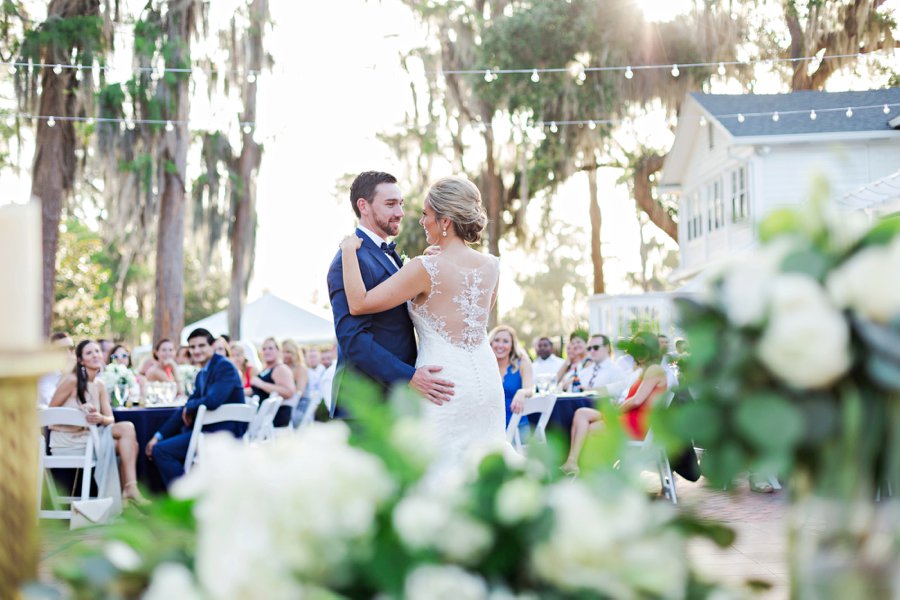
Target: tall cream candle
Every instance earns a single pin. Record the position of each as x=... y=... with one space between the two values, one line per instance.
x=20 y=272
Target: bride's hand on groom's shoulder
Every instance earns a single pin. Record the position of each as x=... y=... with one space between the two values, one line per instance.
x=351 y=243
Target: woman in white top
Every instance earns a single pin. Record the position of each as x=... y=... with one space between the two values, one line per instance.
x=81 y=390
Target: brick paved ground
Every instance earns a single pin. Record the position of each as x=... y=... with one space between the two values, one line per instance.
x=759 y=520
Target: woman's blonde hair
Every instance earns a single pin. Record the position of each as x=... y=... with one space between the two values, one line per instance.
x=459 y=200
x=515 y=358
x=292 y=345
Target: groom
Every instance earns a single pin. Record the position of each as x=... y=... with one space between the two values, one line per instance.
x=381 y=346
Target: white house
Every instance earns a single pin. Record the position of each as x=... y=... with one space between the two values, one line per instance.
x=737 y=157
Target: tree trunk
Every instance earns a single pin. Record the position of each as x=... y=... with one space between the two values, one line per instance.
x=168 y=318
x=596 y=250
x=643 y=195
x=492 y=198
x=242 y=237
x=53 y=171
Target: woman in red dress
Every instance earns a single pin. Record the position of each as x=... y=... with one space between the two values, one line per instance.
x=635 y=409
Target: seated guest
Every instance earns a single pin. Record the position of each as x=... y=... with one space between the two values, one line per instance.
x=119 y=355
x=601 y=374
x=275 y=378
x=217 y=383
x=48 y=383
x=576 y=360
x=515 y=369
x=183 y=356
x=546 y=363
x=635 y=409
x=243 y=363
x=294 y=360
x=222 y=346
x=315 y=369
x=162 y=367
x=106 y=347
x=82 y=390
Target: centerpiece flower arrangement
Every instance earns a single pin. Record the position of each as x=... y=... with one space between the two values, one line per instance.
x=187 y=374
x=795 y=371
x=119 y=381
x=332 y=514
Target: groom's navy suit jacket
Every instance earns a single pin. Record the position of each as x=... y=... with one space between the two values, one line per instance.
x=382 y=346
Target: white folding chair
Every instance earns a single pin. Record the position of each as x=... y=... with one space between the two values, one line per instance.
x=261 y=429
x=84 y=461
x=241 y=413
x=536 y=404
x=647 y=447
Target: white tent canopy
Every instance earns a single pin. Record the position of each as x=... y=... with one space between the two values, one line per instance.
x=275 y=317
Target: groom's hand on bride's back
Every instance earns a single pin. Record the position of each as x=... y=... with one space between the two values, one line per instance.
x=434 y=388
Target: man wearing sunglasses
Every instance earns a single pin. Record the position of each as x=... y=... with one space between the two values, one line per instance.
x=601 y=374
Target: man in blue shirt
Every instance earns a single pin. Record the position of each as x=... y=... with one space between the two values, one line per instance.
x=218 y=383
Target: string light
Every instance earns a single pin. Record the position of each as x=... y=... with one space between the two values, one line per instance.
x=248 y=129
x=592 y=125
x=775 y=116
x=886 y=110
x=170 y=126
x=51 y=122
x=553 y=127
x=702 y=121
x=534 y=76
x=849 y=113
x=11 y=70
x=487 y=76
x=740 y=118
x=721 y=69
x=812 y=115
x=57 y=70
x=628 y=73
x=675 y=71
x=251 y=77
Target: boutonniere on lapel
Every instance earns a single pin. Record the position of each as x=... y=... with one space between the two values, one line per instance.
x=403 y=257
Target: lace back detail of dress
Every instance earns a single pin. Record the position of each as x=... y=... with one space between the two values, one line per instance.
x=459 y=304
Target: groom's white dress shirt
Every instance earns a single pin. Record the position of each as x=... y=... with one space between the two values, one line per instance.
x=378 y=242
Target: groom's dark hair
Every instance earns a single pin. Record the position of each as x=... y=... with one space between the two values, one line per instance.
x=364 y=187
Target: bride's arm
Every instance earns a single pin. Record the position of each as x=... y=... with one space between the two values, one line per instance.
x=408 y=283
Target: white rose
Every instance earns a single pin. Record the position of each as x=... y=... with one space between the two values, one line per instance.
x=419 y=520
x=122 y=556
x=172 y=580
x=845 y=228
x=449 y=582
x=464 y=539
x=868 y=283
x=517 y=500
x=415 y=438
x=745 y=286
x=806 y=342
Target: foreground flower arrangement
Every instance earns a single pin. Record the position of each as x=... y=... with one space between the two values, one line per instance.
x=795 y=372
x=330 y=514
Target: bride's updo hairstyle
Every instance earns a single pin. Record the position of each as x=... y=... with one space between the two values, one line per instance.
x=459 y=200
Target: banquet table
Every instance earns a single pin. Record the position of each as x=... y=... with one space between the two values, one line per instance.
x=147 y=421
x=564 y=410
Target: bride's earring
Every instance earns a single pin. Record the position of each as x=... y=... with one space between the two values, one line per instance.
x=444 y=233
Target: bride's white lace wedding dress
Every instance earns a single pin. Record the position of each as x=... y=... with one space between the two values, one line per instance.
x=451 y=325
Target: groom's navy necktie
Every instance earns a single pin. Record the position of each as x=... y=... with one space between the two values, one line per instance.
x=390 y=250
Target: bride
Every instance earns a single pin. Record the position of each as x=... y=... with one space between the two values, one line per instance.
x=449 y=295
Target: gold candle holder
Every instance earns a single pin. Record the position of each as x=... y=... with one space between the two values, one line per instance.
x=19 y=477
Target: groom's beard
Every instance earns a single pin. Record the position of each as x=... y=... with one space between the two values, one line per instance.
x=389 y=226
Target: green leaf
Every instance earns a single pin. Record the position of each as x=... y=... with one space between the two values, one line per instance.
x=884 y=232
x=769 y=421
x=697 y=421
x=807 y=261
x=780 y=222
x=884 y=372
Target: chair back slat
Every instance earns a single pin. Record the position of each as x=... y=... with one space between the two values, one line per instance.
x=62 y=415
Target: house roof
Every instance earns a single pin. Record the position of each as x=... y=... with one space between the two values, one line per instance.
x=794 y=111
x=869 y=120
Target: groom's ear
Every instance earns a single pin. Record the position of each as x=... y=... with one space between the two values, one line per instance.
x=362 y=205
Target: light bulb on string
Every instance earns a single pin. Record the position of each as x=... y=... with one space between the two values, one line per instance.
x=12 y=69
x=251 y=77
x=776 y=117
x=812 y=115
x=721 y=69
x=129 y=123
x=581 y=77
x=740 y=118
x=488 y=76
x=887 y=109
x=675 y=71
x=628 y=72
x=248 y=129
x=553 y=127
x=551 y=176
x=170 y=126
x=702 y=121
x=57 y=70
x=78 y=75
x=89 y=120
x=51 y=122
x=592 y=125
x=849 y=113
x=534 y=76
